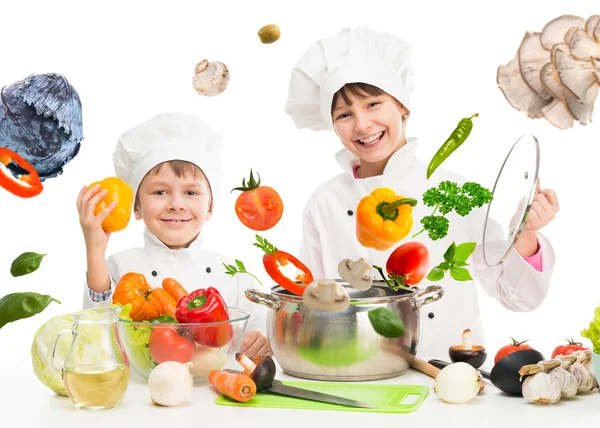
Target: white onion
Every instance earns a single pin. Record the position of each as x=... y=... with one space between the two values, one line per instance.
x=205 y=360
x=457 y=383
x=170 y=383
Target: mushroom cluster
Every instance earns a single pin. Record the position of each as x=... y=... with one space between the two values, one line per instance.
x=556 y=72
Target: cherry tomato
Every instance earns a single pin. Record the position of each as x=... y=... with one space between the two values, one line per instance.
x=509 y=349
x=410 y=262
x=166 y=344
x=258 y=207
x=568 y=349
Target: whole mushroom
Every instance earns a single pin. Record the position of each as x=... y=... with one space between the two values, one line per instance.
x=326 y=295
x=356 y=273
x=262 y=373
x=210 y=78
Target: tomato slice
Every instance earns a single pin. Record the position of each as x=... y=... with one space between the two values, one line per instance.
x=281 y=258
x=259 y=209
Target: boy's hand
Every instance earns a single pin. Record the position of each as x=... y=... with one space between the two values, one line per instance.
x=255 y=344
x=96 y=239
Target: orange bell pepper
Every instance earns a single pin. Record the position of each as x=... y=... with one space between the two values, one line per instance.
x=383 y=218
x=133 y=288
x=119 y=192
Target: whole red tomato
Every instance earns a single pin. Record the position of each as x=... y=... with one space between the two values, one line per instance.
x=166 y=344
x=409 y=262
x=569 y=348
x=509 y=349
x=258 y=207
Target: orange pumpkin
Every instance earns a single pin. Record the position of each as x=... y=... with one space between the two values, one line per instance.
x=133 y=288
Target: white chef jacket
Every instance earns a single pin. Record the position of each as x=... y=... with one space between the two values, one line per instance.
x=329 y=236
x=194 y=267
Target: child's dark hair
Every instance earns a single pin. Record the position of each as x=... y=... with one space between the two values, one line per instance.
x=181 y=169
x=358 y=89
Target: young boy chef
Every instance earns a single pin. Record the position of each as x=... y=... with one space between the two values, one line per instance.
x=172 y=163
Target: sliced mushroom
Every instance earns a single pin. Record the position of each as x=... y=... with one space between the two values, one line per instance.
x=574 y=74
x=356 y=273
x=558 y=114
x=591 y=24
x=532 y=57
x=517 y=92
x=569 y=35
x=583 y=47
x=583 y=110
x=555 y=30
x=326 y=295
x=210 y=78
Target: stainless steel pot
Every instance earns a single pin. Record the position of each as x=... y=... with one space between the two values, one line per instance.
x=343 y=346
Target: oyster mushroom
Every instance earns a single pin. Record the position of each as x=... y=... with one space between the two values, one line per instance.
x=569 y=35
x=597 y=33
x=557 y=112
x=555 y=30
x=532 y=57
x=583 y=47
x=210 y=78
x=356 y=273
x=591 y=24
x=518 y=93
x=326 y=295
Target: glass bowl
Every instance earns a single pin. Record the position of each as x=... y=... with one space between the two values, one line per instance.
x=596 y=365
x=208 y=346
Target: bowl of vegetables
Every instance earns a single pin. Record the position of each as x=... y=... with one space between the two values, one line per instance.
x=195 y=327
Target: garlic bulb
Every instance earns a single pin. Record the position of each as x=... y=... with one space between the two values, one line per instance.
x=457 y=383
x=541 y=388
x=566 y=379
x=585 y=380
x=210 y=78
x=590 y=368
x=170 y=383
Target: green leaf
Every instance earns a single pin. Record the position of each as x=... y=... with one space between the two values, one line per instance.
x=17 y=306
x=386 y=323
x=240 y=266
x=436 y=274
x=163 y=319
x=449 y=254
x=444 y=266
x=464 y=251
x=26 y=263
x=460 y=274
x=461 y=264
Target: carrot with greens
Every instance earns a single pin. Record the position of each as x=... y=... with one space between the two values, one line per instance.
x=238 y=387
x=174 y=288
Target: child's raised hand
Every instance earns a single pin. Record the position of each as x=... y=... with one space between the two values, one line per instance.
x=255 y=344
x=543 y=209
x=96 y=239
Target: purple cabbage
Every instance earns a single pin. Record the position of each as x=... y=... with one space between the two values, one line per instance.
x=40 y=119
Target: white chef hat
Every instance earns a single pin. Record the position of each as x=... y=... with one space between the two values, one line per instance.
x=169 y=136
x=358 y=55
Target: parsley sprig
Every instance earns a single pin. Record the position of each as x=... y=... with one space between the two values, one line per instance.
x=238 y=268
x=265 y=245
x=448 y=197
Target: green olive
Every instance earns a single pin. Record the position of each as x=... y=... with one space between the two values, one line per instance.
x=269 y=33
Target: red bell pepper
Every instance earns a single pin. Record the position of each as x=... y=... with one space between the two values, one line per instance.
x=31 y=186
x=206 y=306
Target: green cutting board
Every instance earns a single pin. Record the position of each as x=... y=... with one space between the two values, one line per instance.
x=387 y=398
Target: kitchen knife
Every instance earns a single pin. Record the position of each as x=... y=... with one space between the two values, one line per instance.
x=291 y=391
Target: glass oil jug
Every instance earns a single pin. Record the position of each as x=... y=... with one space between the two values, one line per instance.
x=96 y=368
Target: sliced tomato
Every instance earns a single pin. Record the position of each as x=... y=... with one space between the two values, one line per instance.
x=258 y=207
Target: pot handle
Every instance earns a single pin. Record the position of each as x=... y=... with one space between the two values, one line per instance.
x=431 y=294
x=263 y=299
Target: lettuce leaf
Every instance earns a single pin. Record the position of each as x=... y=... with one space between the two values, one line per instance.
x=135 y=340
x=593 y=332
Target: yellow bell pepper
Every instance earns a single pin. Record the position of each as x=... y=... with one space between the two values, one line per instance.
x=119 y=192
x=383 y=218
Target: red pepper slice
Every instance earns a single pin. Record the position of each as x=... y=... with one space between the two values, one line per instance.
x=201 y=306
x=33 y=184
x=272 y=262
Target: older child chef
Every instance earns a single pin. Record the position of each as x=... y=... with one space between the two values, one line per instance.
x=358 y=84
x=172 y=163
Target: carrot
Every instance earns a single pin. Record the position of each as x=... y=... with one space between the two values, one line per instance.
x=167 y=302
x=174 y=288
x=236 y=386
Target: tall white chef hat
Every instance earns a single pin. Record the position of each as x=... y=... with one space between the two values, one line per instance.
x=358 y=55
x=169 y=136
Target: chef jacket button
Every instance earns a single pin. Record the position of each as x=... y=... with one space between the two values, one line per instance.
x=350 y=212
x=154 y=273
x=208 y=270
x=431 y=315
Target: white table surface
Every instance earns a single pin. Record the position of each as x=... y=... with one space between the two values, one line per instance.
x=27 y=402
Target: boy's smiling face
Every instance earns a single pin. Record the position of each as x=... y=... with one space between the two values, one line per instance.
x=174 y=208
x=371 y=127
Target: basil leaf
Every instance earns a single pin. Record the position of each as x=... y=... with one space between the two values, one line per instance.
x=460 y=274
x=461 y=264
x=436 y=274
x=386 y=323
x=17 y=306
x=449 y=254
x=463 y=251
x=26 y=263
x=163 y=319
x=444 y=266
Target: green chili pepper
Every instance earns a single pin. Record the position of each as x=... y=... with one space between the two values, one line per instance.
x=26 y=263
x=386 y=323
x=17 y=306
x=458 y=136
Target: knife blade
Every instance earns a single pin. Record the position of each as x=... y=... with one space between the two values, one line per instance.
x=291 y=391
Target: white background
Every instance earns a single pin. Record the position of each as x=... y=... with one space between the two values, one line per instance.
x=133 y=60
